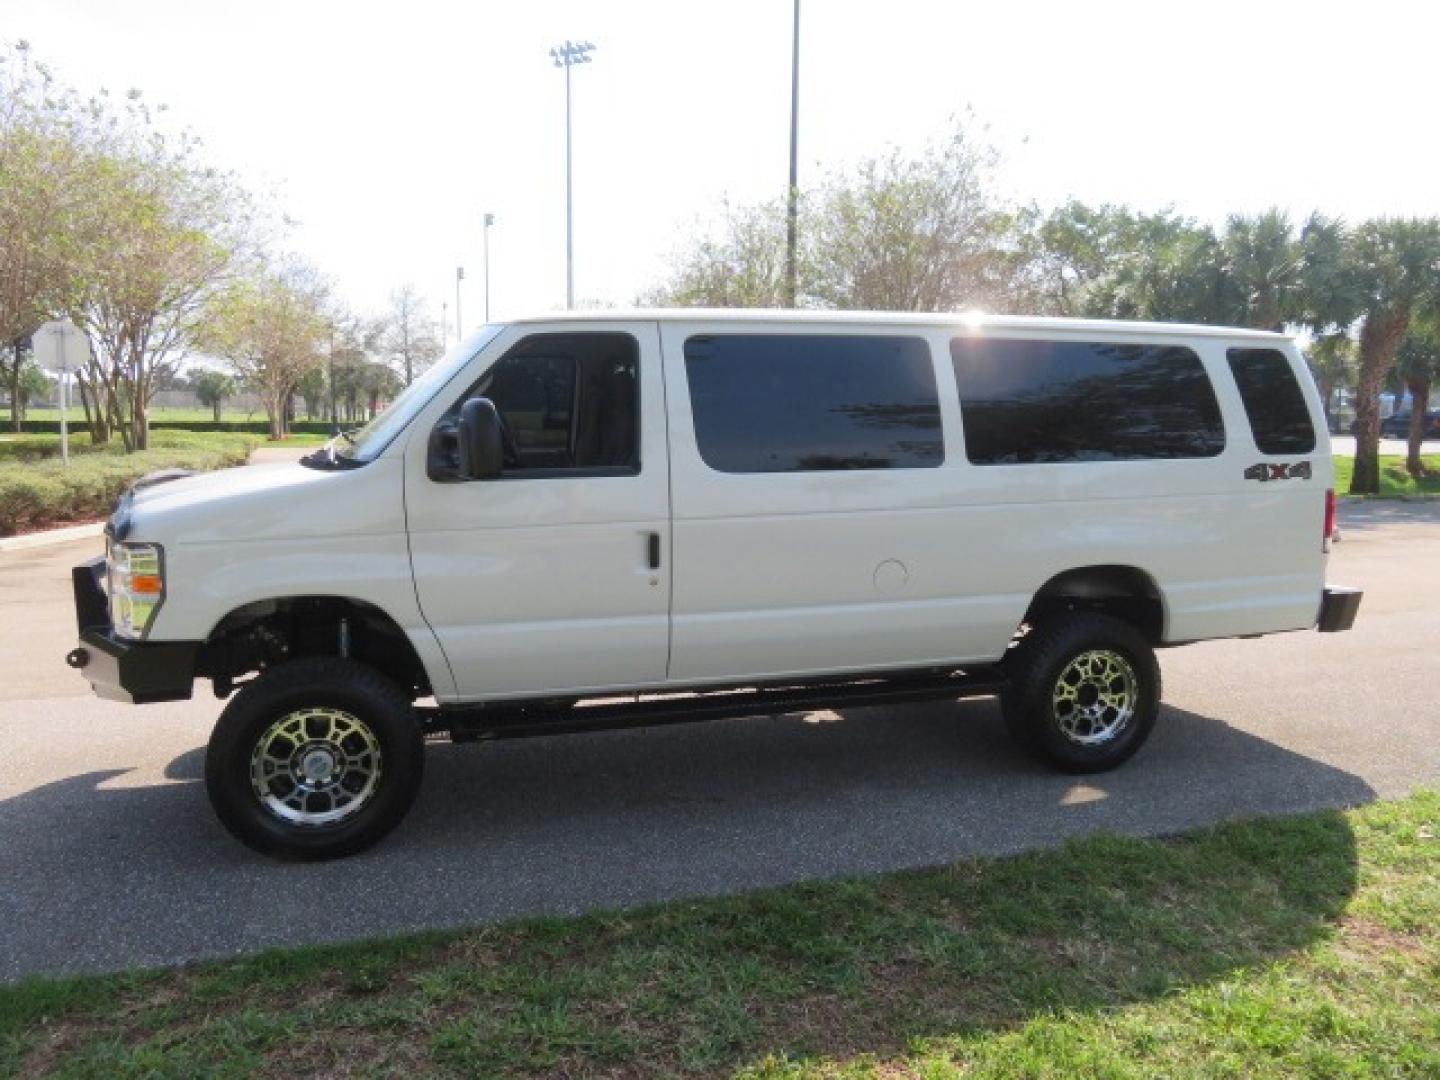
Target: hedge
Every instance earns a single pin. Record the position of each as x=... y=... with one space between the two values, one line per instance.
x=40 y=492
x=250 y=427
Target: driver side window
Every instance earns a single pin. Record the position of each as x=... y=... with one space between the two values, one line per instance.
x=570 y=404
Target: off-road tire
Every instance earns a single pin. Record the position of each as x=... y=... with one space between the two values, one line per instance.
x=379 y=708
x=1037 y=663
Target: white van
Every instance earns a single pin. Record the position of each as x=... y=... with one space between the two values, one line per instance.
x=602 y=519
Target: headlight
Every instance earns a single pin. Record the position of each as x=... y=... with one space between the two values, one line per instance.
x=136 y=575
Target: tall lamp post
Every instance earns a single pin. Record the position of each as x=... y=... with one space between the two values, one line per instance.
x=567 y=56
x=334 y=408
x=792 y=195
x=459 y=322
x=489 y=220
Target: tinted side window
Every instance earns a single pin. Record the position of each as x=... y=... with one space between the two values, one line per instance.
x=1028 y=402
x=1273 y=401
x=569 y=402
x=813 y=402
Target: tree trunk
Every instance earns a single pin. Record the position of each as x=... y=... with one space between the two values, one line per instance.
x=1419 y=403
x=1379 y=338
x=216 y=406
x=16 y=413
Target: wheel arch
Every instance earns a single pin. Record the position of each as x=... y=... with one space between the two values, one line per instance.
x=262 y=633
x=1125 y=592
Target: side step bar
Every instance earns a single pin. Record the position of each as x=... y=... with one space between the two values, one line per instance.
x=507 y=721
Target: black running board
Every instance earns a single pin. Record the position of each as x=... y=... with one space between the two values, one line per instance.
x=516 y=721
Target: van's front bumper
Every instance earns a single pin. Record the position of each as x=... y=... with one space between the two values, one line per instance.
x=1337 y=609
x=118 y=669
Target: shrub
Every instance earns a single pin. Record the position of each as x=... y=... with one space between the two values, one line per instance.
x=37 y=490
x=249 y=427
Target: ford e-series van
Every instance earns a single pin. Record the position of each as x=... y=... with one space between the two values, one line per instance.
x=604 y=519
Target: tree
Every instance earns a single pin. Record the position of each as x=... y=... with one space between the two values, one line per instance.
x=1264 y=265
x=408 y=333
x=894 y=233
x=167 y=234
x=212 y=388
x=912 y=234
x=1418 y=361
x=272 y=326
x=313 y=389
x=1332 y=362
x=1117 y=263
x=33 y=385
x=41 y=195
x=110 y=219
x=1395 y=268
x=741 y=264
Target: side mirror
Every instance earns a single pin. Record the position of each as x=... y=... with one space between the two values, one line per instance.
x=482 y=452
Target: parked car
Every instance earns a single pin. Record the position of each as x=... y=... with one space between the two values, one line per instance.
x=583 y=521
x=1397 y=425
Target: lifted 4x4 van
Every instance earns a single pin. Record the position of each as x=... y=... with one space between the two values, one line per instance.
x=588 y=521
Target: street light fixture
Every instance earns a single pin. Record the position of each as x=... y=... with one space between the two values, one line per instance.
x=567 y=56
x=489 y=220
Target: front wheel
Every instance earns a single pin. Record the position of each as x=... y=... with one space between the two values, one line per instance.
x=315 y=759
x=1084 y=692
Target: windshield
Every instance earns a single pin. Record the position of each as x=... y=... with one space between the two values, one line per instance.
x=367 y=442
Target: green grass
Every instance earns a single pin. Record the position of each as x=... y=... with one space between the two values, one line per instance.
x=1304 y=946
x=38 y=489
x=1395 y=481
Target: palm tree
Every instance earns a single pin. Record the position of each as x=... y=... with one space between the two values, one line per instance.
x=1395 y=264
x=1418 y=361
x=1264 y=262
x=1332 y=362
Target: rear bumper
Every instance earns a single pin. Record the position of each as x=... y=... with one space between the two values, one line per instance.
x=1337 y=610
x=135 y=672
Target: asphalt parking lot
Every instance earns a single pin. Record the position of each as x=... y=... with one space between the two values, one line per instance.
x=110 y=858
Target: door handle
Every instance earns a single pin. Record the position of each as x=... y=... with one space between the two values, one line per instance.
x=654 y=550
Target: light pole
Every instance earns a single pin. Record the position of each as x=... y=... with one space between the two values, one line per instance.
x=334 y=409
x=792 y=195
x=489 y=220
x=459 y=323
x=567 y=56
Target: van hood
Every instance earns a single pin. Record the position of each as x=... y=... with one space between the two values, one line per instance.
x=262 y=502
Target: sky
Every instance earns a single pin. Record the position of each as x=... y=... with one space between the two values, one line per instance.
x=386 y=130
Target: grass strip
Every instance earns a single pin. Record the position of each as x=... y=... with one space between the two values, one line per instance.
x=1395 y=481
x=1300 y=946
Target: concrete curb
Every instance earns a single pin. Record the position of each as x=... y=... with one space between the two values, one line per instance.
x=52 y=536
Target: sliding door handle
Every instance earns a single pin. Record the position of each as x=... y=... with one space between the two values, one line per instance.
x=654 y=548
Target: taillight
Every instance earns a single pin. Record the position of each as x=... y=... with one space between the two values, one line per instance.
x=1329 y=518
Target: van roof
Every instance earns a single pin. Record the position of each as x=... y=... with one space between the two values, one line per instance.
x=969 y=320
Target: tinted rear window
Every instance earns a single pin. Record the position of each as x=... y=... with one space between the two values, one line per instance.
x=813 y=402
x=1274 y=402
x=1033 y=402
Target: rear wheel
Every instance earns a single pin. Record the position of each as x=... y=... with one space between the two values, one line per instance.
x=1084 y=691
x=315 y=759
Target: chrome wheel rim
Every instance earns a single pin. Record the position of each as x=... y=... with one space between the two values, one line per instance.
x=1095 y=697
x=315 y=767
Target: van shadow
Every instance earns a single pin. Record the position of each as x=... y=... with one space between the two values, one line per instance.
x=109 y=876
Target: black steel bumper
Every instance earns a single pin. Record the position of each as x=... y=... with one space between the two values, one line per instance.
x=1337 y=610
x=137 y=672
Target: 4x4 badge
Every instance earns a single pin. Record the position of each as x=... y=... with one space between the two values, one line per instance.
x=1299 y=471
